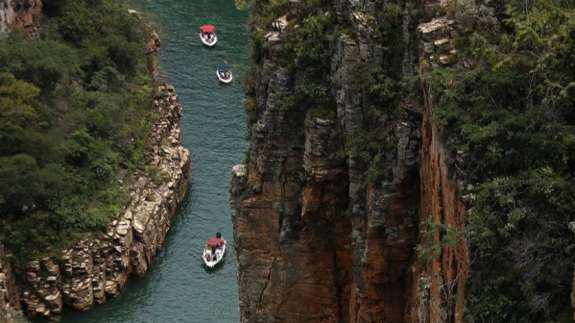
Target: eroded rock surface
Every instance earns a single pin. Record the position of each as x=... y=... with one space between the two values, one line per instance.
x=95 y=269
x=318 y=240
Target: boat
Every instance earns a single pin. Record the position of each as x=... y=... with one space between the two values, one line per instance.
x=211 y=260
x=208 y=35
x=224 y=74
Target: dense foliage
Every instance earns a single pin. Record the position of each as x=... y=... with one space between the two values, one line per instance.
x=510 y=115
x=74 y=115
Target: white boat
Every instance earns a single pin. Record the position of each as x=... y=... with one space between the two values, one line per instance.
x=223 y=77
x=211 y=260
x=206 y=40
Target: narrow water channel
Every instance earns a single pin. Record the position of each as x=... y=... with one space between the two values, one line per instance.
x=178 y=289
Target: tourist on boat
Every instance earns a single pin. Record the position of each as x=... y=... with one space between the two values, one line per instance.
x=216 y=242
x=220 y=240
x=208 y=35
x=224 y=70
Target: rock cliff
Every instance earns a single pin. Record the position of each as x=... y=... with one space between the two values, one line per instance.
x=322 y=234
x=20 y=15
x=95 y=269
x=98 y=267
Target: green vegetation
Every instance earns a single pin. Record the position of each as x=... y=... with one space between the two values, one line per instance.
x=507 y=113
x=511 y=116
x=75 y=111
x=307 y=52
x=304 y=53
x=309 y=36
x=435 y=238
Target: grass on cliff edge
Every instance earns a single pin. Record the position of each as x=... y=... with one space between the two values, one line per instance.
x=75 y=112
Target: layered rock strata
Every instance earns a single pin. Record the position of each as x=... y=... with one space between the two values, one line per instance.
x=21 y=15
x=95 y=269
x=318 y=240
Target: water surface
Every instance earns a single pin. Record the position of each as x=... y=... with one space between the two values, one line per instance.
x=177 y=288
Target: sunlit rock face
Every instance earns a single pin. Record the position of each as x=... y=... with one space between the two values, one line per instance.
x=21 y=15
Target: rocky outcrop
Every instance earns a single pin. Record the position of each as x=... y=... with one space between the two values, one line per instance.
x=22 y=15
x=321 y=234
x=95 y=269
x=9 y=293
x=98 y=267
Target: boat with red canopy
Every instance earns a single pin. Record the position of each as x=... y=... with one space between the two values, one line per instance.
x=208 y=35
x=214 y=251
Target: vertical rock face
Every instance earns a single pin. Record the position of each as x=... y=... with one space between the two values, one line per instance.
x=20 y=15
x=438 y=277
x=95 y=269
x=317 y=238
x=290 y=219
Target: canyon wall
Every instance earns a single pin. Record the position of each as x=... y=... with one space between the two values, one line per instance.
x=318 y=238
x=21 y=15
x=98 y=267
x=95 y=269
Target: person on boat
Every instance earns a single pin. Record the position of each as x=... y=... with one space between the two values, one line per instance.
x=220 y=240
x=224 y=70
x=216 y=242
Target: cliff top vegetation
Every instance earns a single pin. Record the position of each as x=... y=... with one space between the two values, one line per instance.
x=508 y=114
x=75 y=111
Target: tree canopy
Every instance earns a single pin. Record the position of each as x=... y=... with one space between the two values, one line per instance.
x=75 y=111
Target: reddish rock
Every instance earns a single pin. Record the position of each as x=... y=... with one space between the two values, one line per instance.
x=317 y=239
x=21 y=15
x=439 y=277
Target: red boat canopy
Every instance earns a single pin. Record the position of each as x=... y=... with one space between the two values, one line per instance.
x=213 y=242
x=208 y=28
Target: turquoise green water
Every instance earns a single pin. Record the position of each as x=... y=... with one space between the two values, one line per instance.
x=177 y=288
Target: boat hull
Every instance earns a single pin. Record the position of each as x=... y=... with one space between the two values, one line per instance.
x=224 y=80
x=208 y=43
